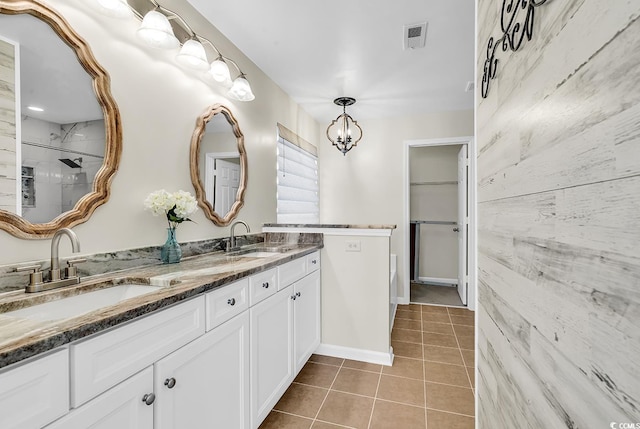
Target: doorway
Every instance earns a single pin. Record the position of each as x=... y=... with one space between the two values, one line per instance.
x=439 y=225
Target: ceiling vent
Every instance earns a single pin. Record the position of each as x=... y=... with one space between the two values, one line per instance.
x=415 y=35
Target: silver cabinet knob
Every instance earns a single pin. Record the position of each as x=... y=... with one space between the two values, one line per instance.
x=170 y=382
x=293 y=297
x=231 y=301
x=265 y=285
x=298 y=294
x=314 y=262
x=149 y=398
x=456 y=229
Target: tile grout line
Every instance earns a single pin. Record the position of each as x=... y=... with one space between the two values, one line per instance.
x=327 y=394
x=375 y=397
x=424 y=371
x=461 y=355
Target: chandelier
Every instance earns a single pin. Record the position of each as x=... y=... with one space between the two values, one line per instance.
x=343 y=132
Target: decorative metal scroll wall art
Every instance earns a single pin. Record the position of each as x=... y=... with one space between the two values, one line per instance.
x=514 y=32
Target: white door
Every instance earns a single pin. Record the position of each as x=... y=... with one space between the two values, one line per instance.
x=463 y=221
x=205 y=384
x=306 y=310
x=227 y=183
x=128 y=405
x=271 y=352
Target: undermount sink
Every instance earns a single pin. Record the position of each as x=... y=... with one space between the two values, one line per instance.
x=83 y=303
x=258 y=254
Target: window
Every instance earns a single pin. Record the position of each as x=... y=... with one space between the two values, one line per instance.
x=297 y=192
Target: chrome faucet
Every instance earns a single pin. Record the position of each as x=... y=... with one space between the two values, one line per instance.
x=56 y=280
x=231 y=244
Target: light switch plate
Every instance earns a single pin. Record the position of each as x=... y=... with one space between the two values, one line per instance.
x=353 y=246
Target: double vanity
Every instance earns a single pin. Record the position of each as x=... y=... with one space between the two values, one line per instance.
x=216 y=338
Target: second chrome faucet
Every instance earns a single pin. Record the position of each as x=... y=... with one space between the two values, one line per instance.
x=231 y=244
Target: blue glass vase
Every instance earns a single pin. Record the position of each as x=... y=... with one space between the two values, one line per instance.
x=171 y=253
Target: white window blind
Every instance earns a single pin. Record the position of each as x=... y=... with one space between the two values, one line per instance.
x=298 y=200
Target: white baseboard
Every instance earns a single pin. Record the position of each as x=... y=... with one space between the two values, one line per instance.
x=356 y=354
x=439 y=280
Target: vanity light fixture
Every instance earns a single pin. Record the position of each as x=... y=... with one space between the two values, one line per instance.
x=156 y=31
x=241 y=90
x=219 y=70
x=115 y=8
x=192 y=56
x=343 y=132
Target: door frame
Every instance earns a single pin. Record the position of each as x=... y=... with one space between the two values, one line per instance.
x=472 y=239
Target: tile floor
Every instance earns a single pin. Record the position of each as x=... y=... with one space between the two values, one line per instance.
x=429 y=386
x=433 y=294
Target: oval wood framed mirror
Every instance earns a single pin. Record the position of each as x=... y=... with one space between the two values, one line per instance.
x=70 y=161
x=218 y=164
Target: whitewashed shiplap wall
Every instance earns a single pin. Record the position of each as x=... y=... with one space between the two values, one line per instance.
x=559 y=220
x=7 y=127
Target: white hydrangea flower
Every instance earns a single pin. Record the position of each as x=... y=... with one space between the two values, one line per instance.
x=161 y=202
x=185 y=204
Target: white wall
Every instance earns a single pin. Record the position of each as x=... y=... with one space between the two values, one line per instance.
x=355 y=293
x=366 y=185
x=159 y=103
x=438 y=243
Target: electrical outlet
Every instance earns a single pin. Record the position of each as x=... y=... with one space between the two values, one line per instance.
x=353 y=246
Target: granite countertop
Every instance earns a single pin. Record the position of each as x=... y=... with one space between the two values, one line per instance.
x=327 y=225
x=22 y=338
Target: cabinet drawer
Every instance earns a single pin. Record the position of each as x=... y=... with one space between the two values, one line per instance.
x=35 y=393
x=226 y=302
x=291 y=272
x=262 y=285
x=103 y=361
x=313 y=262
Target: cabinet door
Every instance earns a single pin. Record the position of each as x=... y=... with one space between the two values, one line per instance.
x=205 y=384
x=121 y=407
x=306 y=312
x=35 y=393
x=271 y=352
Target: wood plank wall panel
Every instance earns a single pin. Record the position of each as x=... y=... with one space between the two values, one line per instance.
x=559 y=220
x=7 y=127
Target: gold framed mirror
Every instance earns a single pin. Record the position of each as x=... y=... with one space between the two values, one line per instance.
x=50 y=145
x=218 y=164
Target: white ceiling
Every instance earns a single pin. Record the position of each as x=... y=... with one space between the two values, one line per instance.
x=317 y=51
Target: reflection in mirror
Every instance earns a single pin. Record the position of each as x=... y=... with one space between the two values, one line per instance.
x=59 y=146
x=61 y=124
x=218 y=165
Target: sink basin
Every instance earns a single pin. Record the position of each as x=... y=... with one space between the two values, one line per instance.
x=258 y=254
x=77 y=305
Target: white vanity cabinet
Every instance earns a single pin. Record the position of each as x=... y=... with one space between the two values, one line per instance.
x=206 y=383
x=272 y=367
x=35 y=393
x=306 y=325
x=285 y=331
x=220 y=360
x=129 y=405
